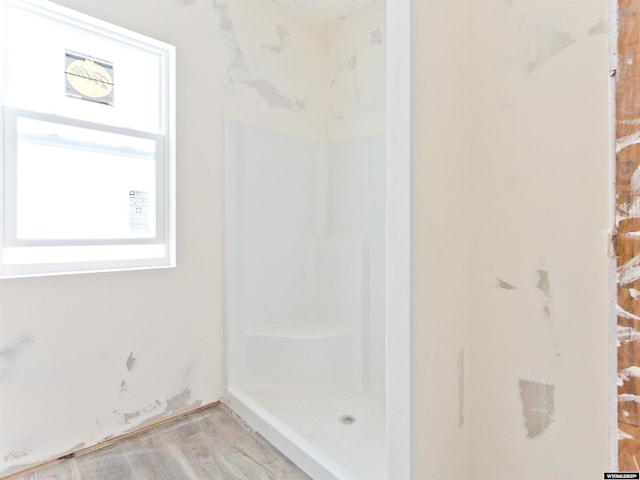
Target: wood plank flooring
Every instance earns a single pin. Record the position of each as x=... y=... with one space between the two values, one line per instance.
x=209 y=444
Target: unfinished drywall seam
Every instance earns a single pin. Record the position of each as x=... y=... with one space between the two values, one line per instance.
x=626 y=238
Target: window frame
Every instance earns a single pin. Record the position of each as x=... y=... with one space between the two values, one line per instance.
x=122 y=255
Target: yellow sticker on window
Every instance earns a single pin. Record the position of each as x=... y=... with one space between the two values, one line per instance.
x=89 y=78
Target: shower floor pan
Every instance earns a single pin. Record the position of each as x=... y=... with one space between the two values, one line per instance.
x=329 y=432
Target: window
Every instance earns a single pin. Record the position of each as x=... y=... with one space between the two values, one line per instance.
x=87 y=144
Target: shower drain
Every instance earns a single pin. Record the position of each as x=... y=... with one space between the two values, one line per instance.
x=347 y=419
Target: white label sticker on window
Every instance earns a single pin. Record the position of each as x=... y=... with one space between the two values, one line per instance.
x=139 y=211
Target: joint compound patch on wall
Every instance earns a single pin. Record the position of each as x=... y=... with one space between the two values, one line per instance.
x=10 y=355
x=15 y=455
x=131 y=362
x=538 y=407
x=601 y=28
x=283 y=34
x=376 y=37
x=255 y=78
x=501 y=284
x=461 y=388
x=11 y=352
x=550 y=43
x=357 y=78
x=544 y=286
x=173 y=406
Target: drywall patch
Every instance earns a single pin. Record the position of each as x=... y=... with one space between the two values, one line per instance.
x=339 y=19
x=11 y=352
x=239 y=74
x=460 y=364
x=15 y=454
x=351 y=63
x=283 y=34
x=537 y=406
x=226 y=25
x=544 y=286
x=123 y=386
x=178 y=402
x=549 y=43
x=130 y=416
x=600 y=28
x=77 y=447
x=131 y=362
x=275 y=98
x=237 y=67
x=501 y=284
x=543 y=282
x=176 y=405
x=376 y=37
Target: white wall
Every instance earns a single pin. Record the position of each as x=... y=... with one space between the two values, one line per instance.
x=543 y=154
x=356 y=76
x=87 y=357
x=272 y=69
x=511 y=180
x=444 y=243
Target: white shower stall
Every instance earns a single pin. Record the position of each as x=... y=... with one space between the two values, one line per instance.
x=306 y=297
x=317 y=282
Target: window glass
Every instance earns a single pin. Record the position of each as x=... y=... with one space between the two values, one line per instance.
x=77 y=183
x=36 y=79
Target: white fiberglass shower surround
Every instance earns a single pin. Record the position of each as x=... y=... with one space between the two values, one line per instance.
x=315 y=232
x=309 y=273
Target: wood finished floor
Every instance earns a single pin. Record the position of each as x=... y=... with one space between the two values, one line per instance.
x=209 y=444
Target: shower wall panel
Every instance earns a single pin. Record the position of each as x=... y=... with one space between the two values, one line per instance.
x=275 y=201
x=309 y=253
x=357 y=203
